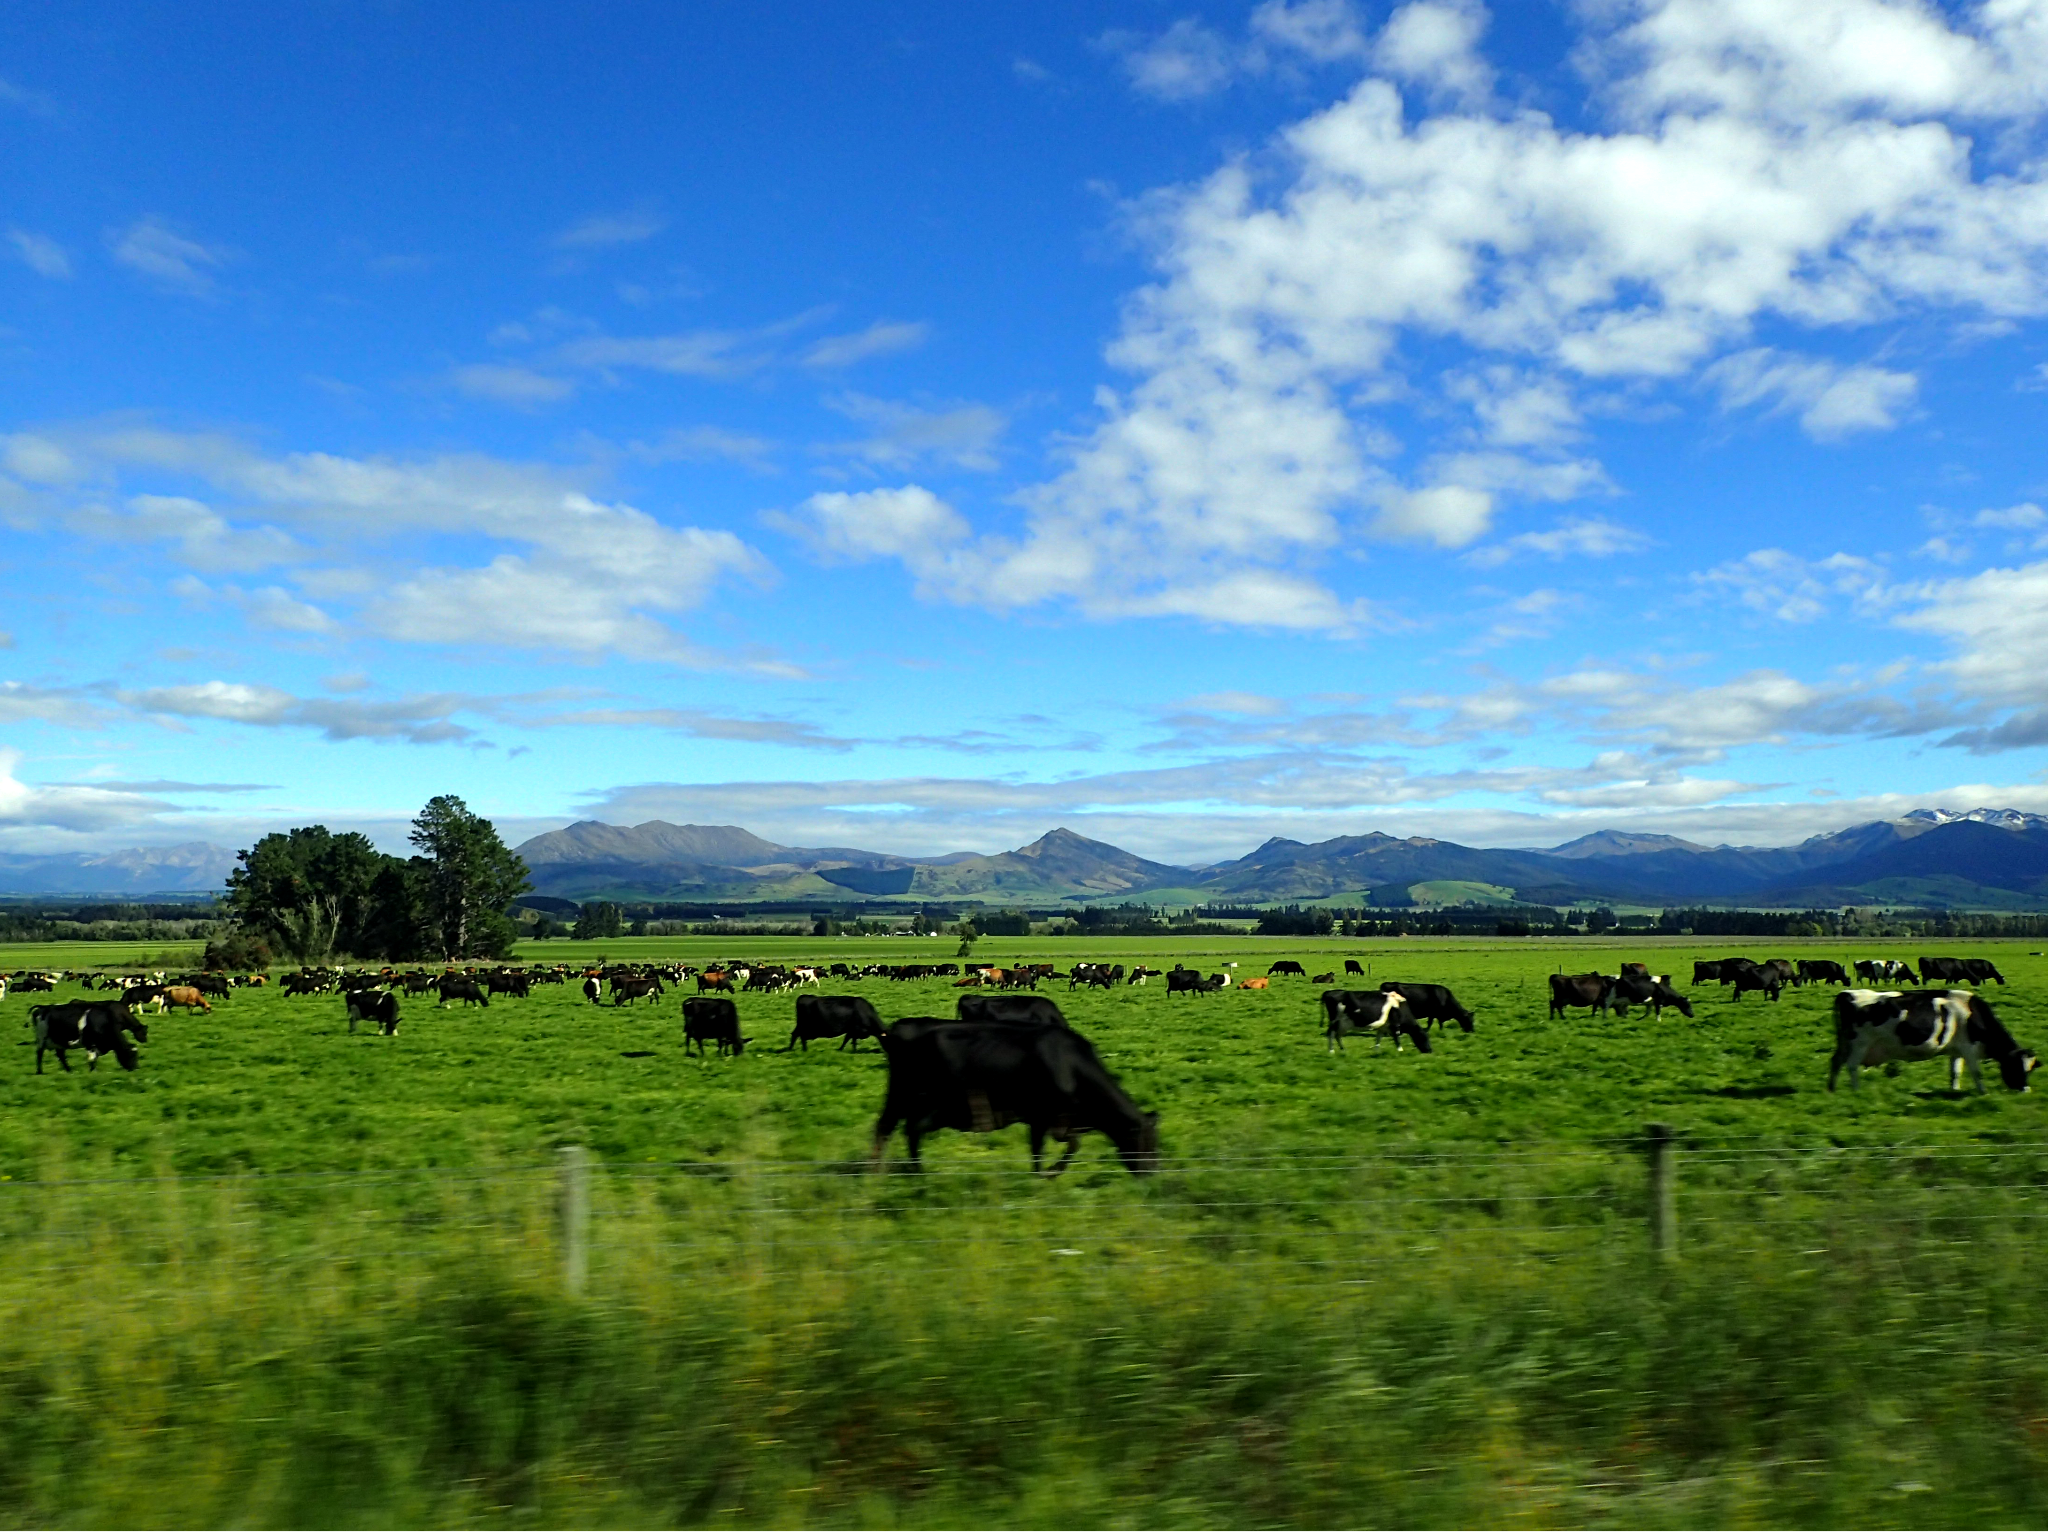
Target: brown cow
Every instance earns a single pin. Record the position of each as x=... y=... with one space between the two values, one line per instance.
x=186 y=998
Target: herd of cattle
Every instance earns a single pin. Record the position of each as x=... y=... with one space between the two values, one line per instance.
x=1008 y=1059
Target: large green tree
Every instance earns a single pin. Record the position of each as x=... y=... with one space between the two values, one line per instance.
x=308 y=892
x=470 y=878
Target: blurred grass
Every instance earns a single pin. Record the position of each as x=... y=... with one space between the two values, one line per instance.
x=1224 y=1346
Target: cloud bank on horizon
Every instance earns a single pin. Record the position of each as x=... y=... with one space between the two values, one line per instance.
x=1294 y=418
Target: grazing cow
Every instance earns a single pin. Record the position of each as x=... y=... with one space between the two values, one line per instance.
x=1765 y=978
x=593 y=989
x=717 y=1019
x=1353 y=968
x=1652 y=992
x=508 y=984
x=1886 y=970
x=1087 y=975
x=853 y=1019
x=1635 y=969
x=186 y=998
x=1181 y=980
x=1383 y=1015
x=142 y=996
x=1969 y=972
x=1285 y=968
x=375 y=1007
x=462 y=988
x=1821 y=971
x=1039 y=1012
x=714 y=981
x=626 y=988
x=98 y=1027
x=1875 y=1027
x=1428 y=1001
x=34 y=984
x=417 y=982
x=1141 y=974
x=947 y=1075
x=1588 y=991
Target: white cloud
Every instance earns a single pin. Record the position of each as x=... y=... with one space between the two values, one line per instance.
x=963 y=434
x=1832 y=401
x=1586 y=538
x=1325 y=31
x=697 y=444
x=72 y=807
x=1434 y=44
x=602 y=230
x=1791 y=589
x=1998 y=622
x=1185 y=62
x=171 y=260
x=2023 y=518
x=1737 y=183
x=562 y=572
x=40 y=253
x=878 y=340
x=509 y=384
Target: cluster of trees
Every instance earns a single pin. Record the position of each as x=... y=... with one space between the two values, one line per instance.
x=311 y=894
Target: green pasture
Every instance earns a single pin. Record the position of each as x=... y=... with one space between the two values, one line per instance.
x=312 y=1278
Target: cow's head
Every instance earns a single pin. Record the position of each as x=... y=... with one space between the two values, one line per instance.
x=2014 y=1069
x=1141 y=1156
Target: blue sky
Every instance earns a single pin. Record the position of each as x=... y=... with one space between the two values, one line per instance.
x=916 y=426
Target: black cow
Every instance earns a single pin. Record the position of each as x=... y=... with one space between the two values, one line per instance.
x=1094 y=976
x=1427 y=1000
x=1285 y=968
x=510 y=983
x=1875 y=1027
x=853 y=1019
x=1590 y=990
x=463 y=989
x=717 y=1019
x=949 y=1075
x=626 y=989
x=1382 y=1014
x=379 y=1008
x=981 y=1008
x=1821 y=971
x=1652 y=992
x=1765 y=978
x=1705 y=970
x=1969 y=972
x=97 y=1027
x=1178 y=980
x=1353 y=968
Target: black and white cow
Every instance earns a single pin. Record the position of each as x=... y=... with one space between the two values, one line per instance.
x=1429 y=1001
x=1652 y=992
x=97 y=1027
x=1886 y=970
x=1383 y=1015
x=376 y=1007
x=1872 y=1028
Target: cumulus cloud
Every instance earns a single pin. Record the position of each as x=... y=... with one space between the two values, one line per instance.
x=71 y=807
x=39 y=253
x=1805 y=170
x=172 y=261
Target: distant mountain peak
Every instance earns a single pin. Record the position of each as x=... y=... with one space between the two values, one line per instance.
x=2008 y=819
x=1607 y=843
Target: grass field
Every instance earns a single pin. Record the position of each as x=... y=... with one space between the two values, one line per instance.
x=314 y=1278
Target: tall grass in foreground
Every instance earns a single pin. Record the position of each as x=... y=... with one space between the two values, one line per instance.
x=766 y=1346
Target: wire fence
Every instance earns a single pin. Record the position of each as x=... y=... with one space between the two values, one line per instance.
x=587 y=1226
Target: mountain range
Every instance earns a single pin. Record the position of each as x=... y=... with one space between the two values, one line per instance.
x=1995 y=859
x=1986 y=859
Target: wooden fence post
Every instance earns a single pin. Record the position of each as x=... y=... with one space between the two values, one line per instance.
x=575 y=1219
x=1663 y=1191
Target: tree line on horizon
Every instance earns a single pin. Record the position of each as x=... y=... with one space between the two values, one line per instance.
x=310 y=894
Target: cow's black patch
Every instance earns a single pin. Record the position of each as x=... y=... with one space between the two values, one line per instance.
x=636 y=1053
x=1913 y=1031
